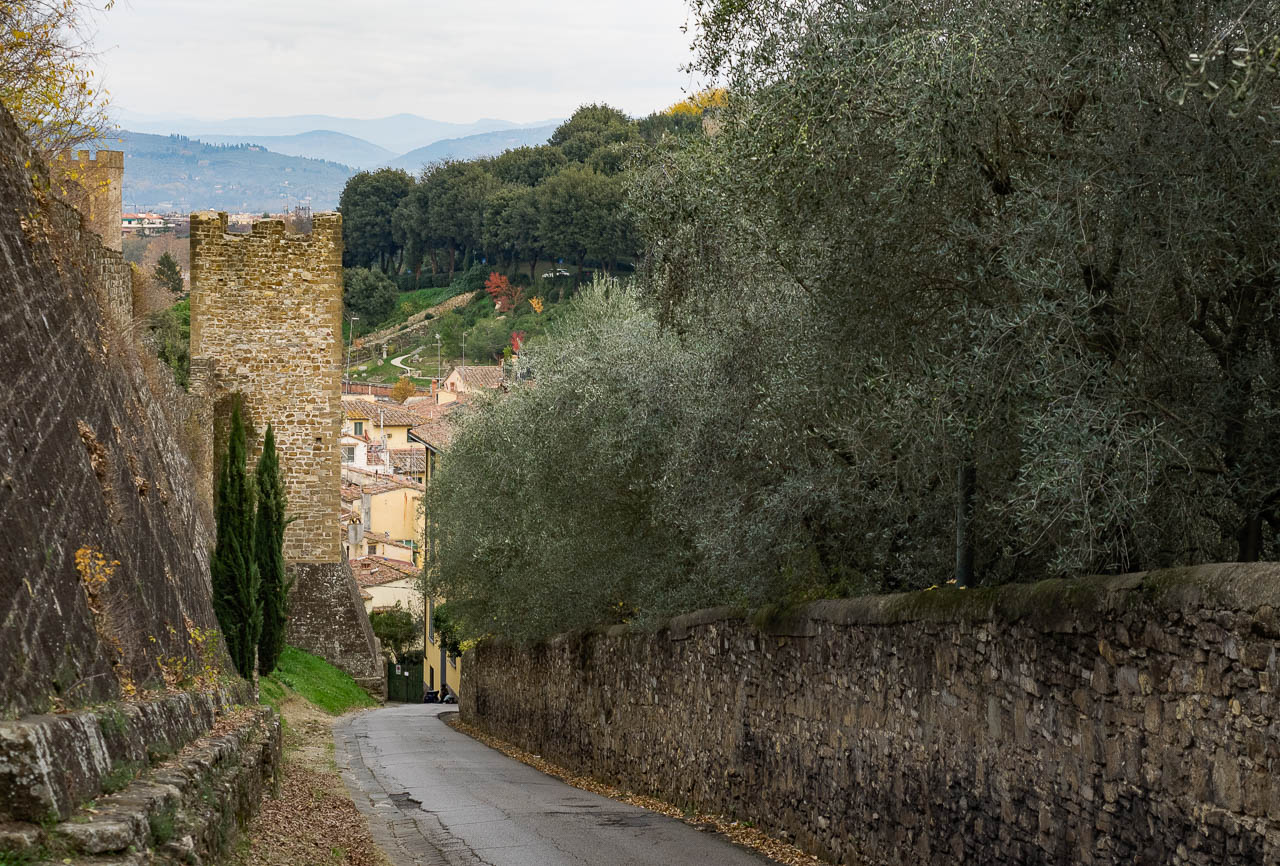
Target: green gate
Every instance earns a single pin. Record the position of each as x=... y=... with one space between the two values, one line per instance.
x=404 y=683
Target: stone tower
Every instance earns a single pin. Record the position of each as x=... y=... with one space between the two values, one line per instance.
x=95 y=187
x=266 y=329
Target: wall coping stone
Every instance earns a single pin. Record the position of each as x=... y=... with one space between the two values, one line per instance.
x=1052 y=605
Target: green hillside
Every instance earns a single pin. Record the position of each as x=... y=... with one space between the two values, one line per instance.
x=172 y=172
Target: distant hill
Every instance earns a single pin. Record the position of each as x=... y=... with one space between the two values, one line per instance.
x=398 y=133
x=317 y=144
x=172 y=172
x=473 y=146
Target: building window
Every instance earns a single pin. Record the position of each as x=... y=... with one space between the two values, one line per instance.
x=348 y=454
x=358 y=426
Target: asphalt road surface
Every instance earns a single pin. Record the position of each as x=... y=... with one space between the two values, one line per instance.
x=434 y=796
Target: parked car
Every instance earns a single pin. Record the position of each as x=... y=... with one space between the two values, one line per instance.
x=558 y=272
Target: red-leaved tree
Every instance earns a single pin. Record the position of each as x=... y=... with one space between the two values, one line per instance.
x=505 y=295
x=517 y=340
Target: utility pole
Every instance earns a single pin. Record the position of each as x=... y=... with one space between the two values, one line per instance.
x=351 y=339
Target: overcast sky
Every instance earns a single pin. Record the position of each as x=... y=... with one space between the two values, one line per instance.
x=453 y=60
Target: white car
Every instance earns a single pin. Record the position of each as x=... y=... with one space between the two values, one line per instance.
x=558 y=272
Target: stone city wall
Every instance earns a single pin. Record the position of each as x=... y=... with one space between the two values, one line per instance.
x=1107 y=720
x=266 y=316
x=95 y=187
x=266 y=326
x=104 y=546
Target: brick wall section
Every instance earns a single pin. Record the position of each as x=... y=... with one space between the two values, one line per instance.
x=94 y=185
x=266 y=310
x=89 y=458
x=1105 y=720
x=266 y=323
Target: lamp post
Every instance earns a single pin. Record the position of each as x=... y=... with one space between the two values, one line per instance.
x=439 y=360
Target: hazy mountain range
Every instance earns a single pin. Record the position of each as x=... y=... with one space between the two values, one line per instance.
x=472 y=146
x=399 y=133
x=175 y=173
x=271 y=163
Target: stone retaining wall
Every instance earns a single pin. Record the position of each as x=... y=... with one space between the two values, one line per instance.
x=1102 y=720
x=104 y=543
x=165 y=781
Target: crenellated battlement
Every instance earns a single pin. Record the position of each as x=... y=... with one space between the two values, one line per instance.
x=102 y=159
x=94 y=185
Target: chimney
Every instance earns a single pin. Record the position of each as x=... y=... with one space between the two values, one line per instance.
x=366 y=508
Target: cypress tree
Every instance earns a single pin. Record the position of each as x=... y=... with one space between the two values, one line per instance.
x=268 y=553
x=234 y=572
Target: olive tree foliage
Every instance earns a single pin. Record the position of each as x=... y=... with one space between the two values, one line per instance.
x=546 y=508
x=1019 y=255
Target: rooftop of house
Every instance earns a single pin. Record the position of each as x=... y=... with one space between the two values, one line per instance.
x=368 y=537
x=437 y=426
x=384 y=414
x=378 y=570
x=479 y=377
x=409 y=460
x=437 y=433
x=377 y=482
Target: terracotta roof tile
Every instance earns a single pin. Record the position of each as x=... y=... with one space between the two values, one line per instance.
x=377 y=570
x=387 y=414
x=480 y=377
x=377 y=482
x=409 y=460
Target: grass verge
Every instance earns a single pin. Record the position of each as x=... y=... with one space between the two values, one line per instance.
x=310 y=818
x=315 y=680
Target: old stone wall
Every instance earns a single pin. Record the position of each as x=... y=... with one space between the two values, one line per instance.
x=166 y=781
x=1102 y=720
x=104 y=546
x=266 y=314
x=94 y=185
x=266 y=325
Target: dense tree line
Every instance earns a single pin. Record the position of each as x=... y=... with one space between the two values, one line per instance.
x=985 y=291
x=561 y=200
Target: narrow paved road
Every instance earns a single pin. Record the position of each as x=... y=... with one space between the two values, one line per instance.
x=435 y=796
x=399 y=362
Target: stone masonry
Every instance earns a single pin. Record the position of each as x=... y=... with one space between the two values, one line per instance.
x=266 y=325
x=1105 y=720
x=94 y=186
x=91 y=465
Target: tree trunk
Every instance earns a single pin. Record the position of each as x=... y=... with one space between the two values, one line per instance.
x=1249 y=539
x=435 y=263
x=966 y=482
x=533 y=268
x=453 y=260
